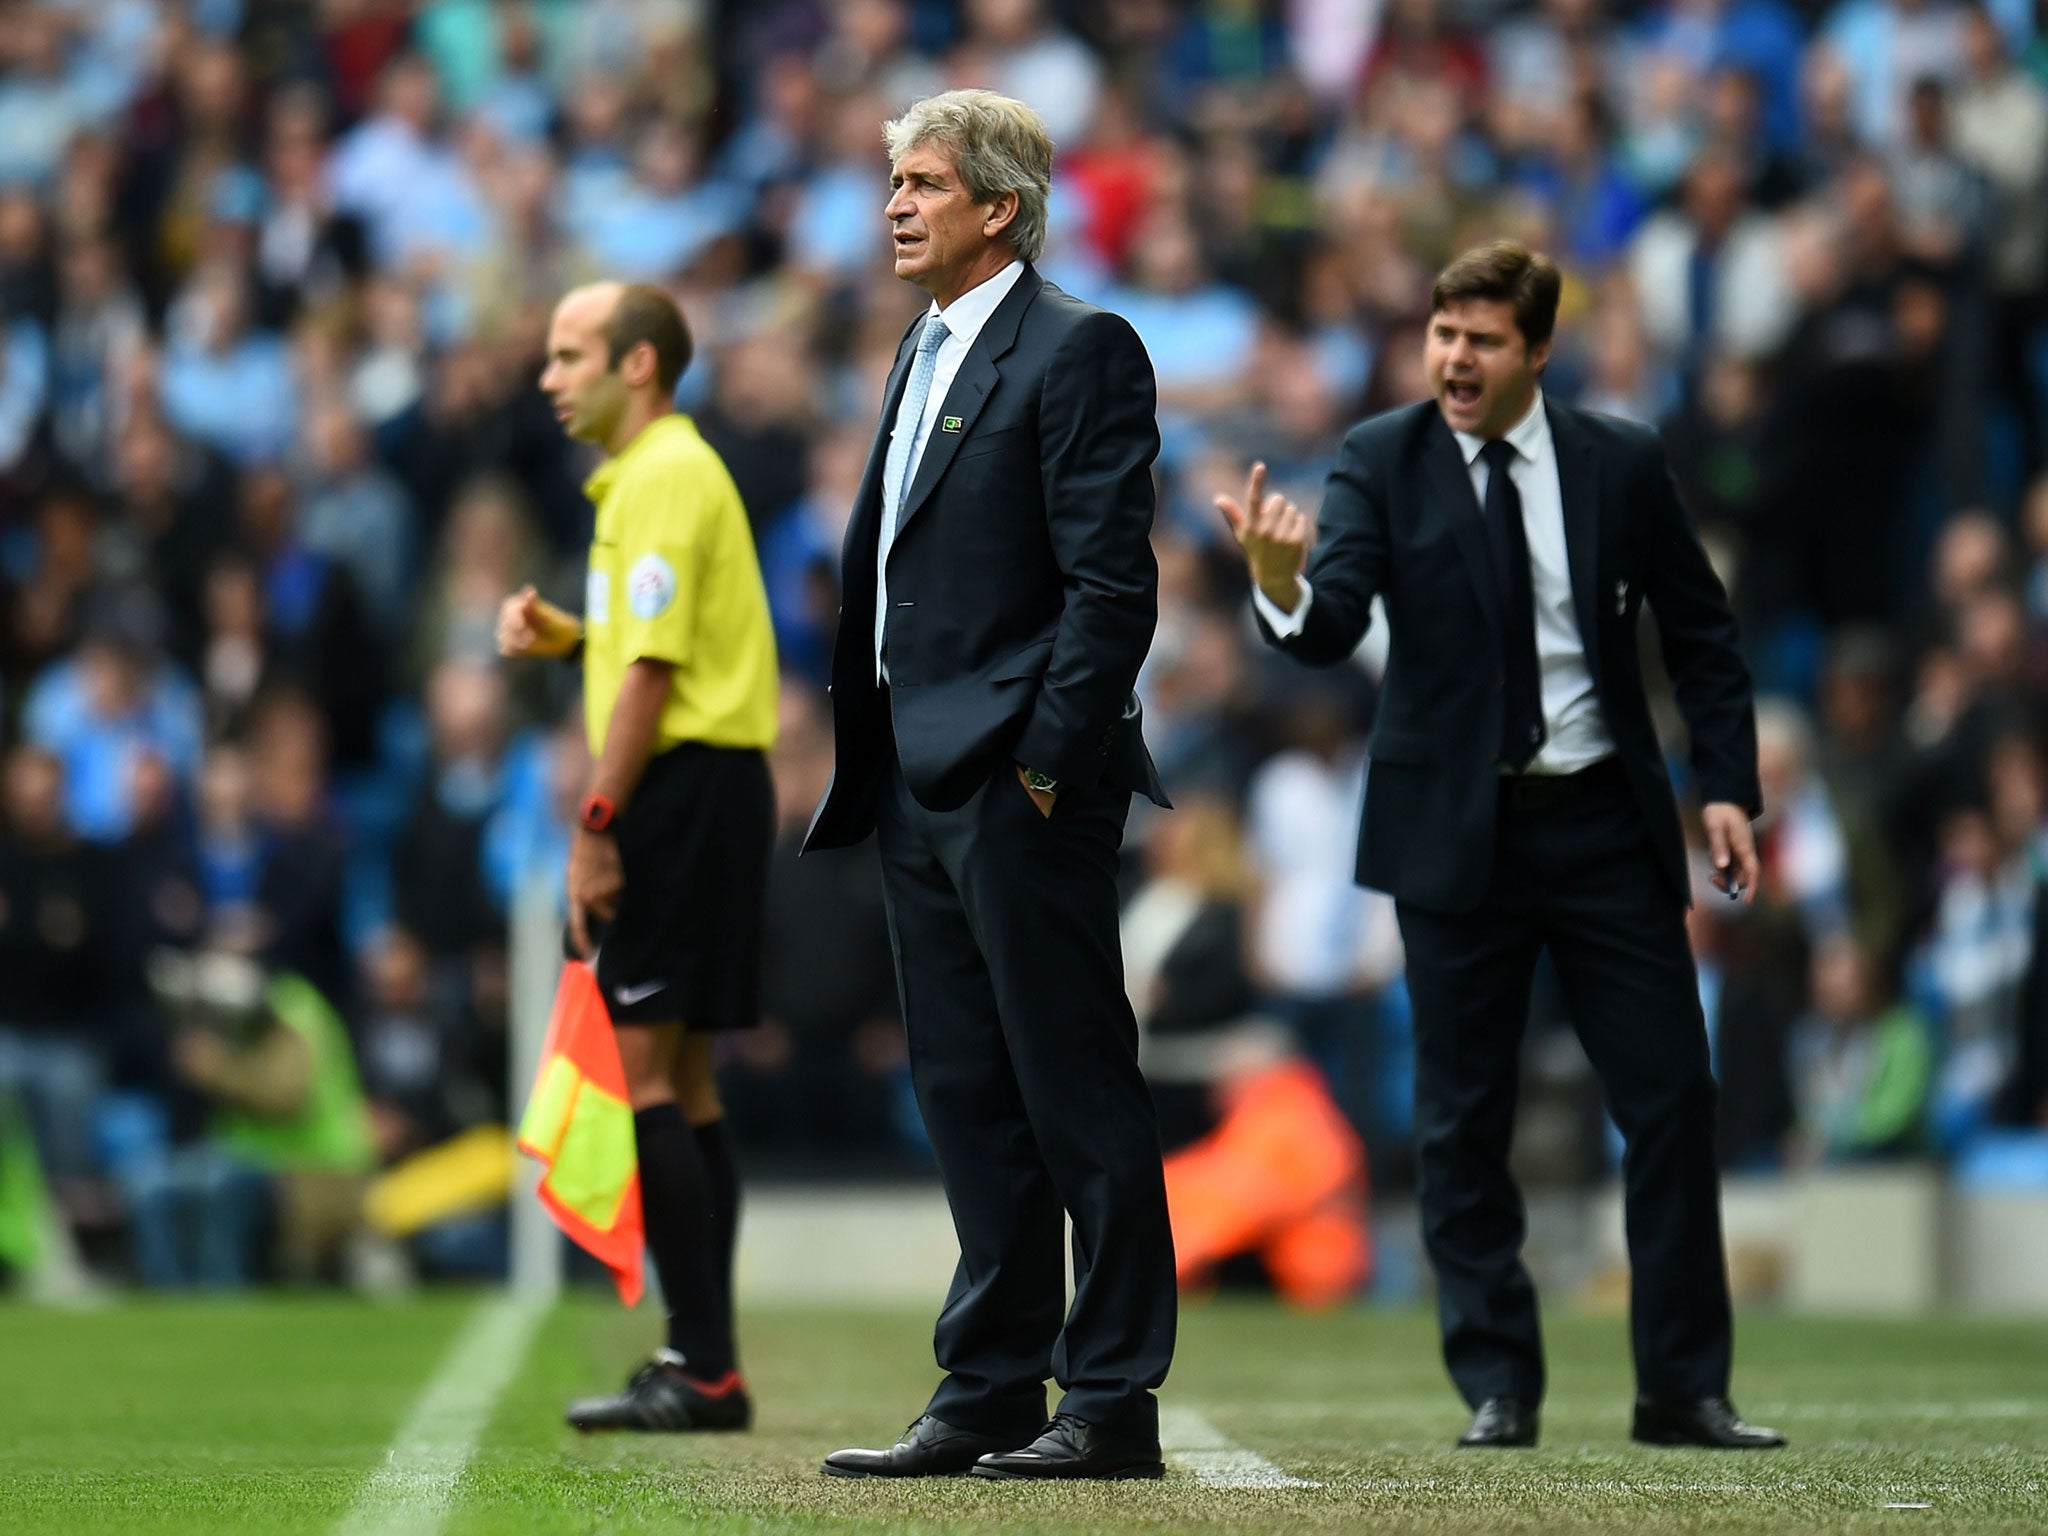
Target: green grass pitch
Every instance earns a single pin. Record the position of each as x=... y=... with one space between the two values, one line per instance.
x=267 y=1415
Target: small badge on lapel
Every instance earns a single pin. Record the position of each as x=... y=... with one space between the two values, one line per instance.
x=950 y=424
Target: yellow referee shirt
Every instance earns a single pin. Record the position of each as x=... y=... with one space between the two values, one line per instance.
x=674 y=577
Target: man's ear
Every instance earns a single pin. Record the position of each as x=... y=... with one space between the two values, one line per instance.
x=1002 y=213
x=638 y=366
x=1538 y=356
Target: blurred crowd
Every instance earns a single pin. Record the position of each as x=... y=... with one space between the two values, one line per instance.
x=274 y=279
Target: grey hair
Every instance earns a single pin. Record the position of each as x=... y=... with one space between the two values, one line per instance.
x=998 y=144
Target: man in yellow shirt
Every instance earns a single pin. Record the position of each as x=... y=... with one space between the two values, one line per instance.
x=668 y=865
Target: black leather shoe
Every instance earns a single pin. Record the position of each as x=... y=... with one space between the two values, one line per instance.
x=1501 y=1421
x=1711 y=1422
x=661 y=1397
x=929 y=1448
x=1072 y=1447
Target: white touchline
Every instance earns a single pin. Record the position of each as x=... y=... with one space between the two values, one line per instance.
x=1201 y=1447
x=408 y=1494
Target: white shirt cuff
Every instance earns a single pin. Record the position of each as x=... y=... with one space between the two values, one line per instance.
x=1285 y=625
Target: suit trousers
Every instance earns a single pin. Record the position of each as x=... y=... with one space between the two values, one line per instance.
x=1574 y=873
x=1024 y=1056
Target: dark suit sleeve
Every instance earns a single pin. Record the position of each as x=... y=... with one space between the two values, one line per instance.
x=1701 y=651
x=1098 y=436
x=1348 y=563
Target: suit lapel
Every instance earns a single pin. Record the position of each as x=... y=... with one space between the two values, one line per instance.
x=1578 y=486
x=863 y=528
x=1450 y=489
x=977 y=378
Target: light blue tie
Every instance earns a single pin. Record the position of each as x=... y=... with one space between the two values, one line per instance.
x=896 y=467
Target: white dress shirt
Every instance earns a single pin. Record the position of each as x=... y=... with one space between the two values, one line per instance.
x=964 y=318
x=1575 y=732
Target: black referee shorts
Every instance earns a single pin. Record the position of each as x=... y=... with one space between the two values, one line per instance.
x=685 y=945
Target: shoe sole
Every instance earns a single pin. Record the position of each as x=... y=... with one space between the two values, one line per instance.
x=1496 y=1445
x=1686 y=1443
x=1142 y=1472
x=831 y=1471
x=658 y=1429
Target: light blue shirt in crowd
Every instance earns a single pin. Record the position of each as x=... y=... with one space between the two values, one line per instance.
x=243 y=401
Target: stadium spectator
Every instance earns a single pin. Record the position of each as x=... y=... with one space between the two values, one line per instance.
x=295 y=924
x=1013 y=47
x=1887 y=46
x=1735 y=126
x=488 y=546
x=353 y=512
x=667 y=216
x=316 y=632
x=24 y=387
x=800 y=555
x=100 y=325
x=57 y=940
x=2001 y=131
x=1316 y=929
x=1760 y=38
x=41 y=105
x=287 y=1133
x=429 y=1070
x=1800 y=838
x=1977 y=954
x=224 y=383
x=1572 y=168
x=826 y=1075
x=760 y=418
x=111 y=702
x=438 y=868
x=1708 y=271
x=1862 y=1064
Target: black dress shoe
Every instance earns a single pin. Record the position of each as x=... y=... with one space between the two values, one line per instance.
x=1711 y=1422
x=1072 y=1447
x=1501 y=1421
x=929 y=1448
x=661 y=1397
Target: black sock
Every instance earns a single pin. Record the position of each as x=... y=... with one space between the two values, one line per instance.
x=714 y=1147
x=682 y=1239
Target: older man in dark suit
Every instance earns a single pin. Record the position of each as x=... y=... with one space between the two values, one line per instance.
x=1000 y=595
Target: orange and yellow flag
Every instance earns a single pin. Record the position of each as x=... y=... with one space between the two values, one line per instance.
x=579 y=1123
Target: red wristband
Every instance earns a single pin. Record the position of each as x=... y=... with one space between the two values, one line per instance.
x=597 y=813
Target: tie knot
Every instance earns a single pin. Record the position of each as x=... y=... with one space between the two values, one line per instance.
x=933 y=336
x=1499 y=454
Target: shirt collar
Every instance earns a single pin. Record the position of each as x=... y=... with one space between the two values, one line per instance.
x=966 y=315
x=601 y=478
x=1525 y=436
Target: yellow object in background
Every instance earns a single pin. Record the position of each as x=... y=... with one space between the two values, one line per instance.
x=458 y=1177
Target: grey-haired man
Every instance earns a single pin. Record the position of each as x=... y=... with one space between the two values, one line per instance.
x=1000 y=595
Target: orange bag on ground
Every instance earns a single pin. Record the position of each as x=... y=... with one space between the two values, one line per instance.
x=1283 y=1176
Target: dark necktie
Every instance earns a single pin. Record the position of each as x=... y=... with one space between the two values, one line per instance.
x=1521 y=722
